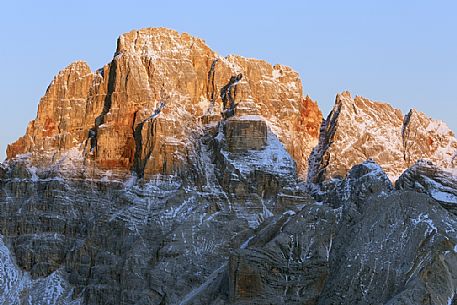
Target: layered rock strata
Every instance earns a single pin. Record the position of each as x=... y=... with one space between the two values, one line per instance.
x=244 y=133
x=215 y=211
x=425 y=177
x=101 y=117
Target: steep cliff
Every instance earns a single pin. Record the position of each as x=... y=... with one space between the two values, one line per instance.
x=358 y=129
x=175 y=176
x=102 y=116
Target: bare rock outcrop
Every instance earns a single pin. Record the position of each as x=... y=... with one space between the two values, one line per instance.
x=403 y=242
x=358 y=129
x=104 y=118
x=287 y=261
x=60 y=122
x=427 y=138
x=215 y=211
x=244 y=133
x=425 y=177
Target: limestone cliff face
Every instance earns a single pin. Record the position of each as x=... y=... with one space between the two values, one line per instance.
x=238 y=226
x=61 y=113
x=358 y=129
x=100 y=117
x=427 y=138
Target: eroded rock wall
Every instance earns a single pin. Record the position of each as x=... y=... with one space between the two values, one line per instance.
x=103 y=115
x=358 y=129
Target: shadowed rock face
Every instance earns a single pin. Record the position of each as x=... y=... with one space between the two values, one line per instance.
x=287 y=261
x=251 y=235
x=159 y=241
x=99 y=116
x=111 y=198
x=246 y=132
x=393 y=253
x=425 y=177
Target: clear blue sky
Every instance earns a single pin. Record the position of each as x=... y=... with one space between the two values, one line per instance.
x=401 y=52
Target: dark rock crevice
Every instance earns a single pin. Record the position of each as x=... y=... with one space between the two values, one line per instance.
x=100 y=120
x=143 y=146
x=211 y=86
x=319 y=158
x=228 y=96
x=406 y=134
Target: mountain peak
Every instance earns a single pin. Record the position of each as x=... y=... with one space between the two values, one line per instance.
x=175 y=176
x=345 y=94
x=157 y=41
x=106 y=117
x=358 y=129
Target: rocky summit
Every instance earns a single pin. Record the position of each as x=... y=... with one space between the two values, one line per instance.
x=173 y=175
x=101 y=117
x=358 y=129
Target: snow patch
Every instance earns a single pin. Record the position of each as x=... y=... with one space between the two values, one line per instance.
x=440 y=192
x=246 y=243
x=130 y=182
x=425 y=218
x=250 y=117
x=443 y=196
x=229 y=61
x=276 y=74
x=33 y=172
x=291 y=86
x=273 y=159
x=16 y=284
x=438 y=127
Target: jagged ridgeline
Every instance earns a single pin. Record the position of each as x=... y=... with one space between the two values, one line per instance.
x=174 y=175
x=100 y=117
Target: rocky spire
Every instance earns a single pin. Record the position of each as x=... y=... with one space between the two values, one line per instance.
x=358 y=129
x=59 y=124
